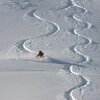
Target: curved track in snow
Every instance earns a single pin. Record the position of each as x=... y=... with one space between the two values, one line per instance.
x=68 y=94
x=54 y=28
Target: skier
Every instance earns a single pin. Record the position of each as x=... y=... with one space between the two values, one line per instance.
x=40 y=54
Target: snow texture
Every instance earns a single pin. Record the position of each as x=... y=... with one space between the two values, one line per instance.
x=67 y=31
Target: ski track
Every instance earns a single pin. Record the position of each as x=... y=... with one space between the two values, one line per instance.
x=32 y=14
x=55 y=27
x=21 y=45
x=68 y=94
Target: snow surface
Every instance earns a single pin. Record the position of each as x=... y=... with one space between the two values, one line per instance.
x=67 y=31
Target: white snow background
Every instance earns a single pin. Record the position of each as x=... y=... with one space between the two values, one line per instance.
x=68 y=33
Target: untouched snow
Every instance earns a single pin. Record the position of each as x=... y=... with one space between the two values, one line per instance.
x=67 y=31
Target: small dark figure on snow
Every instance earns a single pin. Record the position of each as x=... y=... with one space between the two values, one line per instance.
x=40 y=54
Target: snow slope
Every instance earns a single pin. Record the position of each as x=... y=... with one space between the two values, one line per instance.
x=67 y=31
